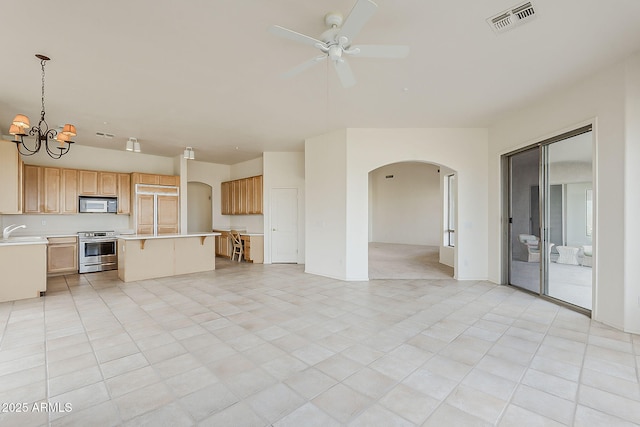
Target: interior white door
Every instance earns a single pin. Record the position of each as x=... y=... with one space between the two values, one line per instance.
x=284 y=225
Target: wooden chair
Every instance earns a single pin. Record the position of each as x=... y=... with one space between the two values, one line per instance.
x=236 y=242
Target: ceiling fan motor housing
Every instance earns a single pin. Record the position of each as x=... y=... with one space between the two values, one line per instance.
x=333 y=19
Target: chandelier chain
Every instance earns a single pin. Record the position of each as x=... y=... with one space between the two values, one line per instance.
x=42 y=62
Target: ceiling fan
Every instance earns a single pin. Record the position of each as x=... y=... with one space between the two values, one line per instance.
x=335 y=42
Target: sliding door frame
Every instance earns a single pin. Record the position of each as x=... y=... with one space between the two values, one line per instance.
x=543 y=175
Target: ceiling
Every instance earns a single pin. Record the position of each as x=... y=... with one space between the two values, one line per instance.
x=207 y=73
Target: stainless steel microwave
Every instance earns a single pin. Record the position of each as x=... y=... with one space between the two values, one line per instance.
x=98 y=204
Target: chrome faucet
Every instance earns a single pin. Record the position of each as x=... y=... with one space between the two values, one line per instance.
x=8 y=230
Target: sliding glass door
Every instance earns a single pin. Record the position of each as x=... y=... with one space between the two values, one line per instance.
x=550 y=218
x=569 y=215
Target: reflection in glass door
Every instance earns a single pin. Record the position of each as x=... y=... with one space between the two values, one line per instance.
x=568 y=174
x=550 y=211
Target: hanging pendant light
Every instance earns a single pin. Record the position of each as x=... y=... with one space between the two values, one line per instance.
x=43 y=135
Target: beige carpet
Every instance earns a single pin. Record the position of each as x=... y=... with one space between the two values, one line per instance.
x=399 y=261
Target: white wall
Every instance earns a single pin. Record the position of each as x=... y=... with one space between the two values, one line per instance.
x=66 y=224
x=326 y=204
x=632 y=201
x=463 y=150
x=600 y=99
x=199 y=207
x=91 y=158
x=407 y=207
x=337 y=169
x=284 y=170
x=211 y=174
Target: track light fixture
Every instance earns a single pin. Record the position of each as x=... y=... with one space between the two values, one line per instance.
x=133 y=145
x=189 y=154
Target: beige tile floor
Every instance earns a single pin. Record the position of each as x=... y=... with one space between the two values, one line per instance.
x=255 y=345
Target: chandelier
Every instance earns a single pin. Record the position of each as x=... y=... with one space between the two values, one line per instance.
x=43 y=135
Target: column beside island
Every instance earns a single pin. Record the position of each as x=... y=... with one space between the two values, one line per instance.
x=143 y=257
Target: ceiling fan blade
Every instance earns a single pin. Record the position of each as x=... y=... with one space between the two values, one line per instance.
x=293 y=35
x=380 y=51
x=301 y=67
x=359 y=15
x=344 y=73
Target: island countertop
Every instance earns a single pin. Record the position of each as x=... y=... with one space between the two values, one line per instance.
x=164 y=236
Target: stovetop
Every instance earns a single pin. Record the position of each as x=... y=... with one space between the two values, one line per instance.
x=89 y=234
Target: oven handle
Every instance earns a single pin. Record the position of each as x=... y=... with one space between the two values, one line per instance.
x=98 y=240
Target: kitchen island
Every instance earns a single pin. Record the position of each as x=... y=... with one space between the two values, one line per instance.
x=23 y=268
x=143 y=257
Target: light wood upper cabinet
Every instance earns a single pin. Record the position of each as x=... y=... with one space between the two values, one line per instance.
x=225 y=198
x=241 y=196
x=257 y=199
x=172 y=180
x=11 y=178
x=145 y=178
x=124 y=193
x=151 y=179
x=32 y=176
x=88 y=183
x=96 y=183
x=69 y=191
x=51 y=186
x=108 y=184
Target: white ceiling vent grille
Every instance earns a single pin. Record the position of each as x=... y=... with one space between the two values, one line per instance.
x=512 y=17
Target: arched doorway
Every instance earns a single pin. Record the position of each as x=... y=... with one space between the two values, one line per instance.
x=411 y=221
x=199 y=207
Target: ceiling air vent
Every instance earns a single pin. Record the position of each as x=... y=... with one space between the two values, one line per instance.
x=105 y=135
x=512 y=17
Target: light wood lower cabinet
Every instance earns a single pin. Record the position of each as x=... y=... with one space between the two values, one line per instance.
x=223 y=244
x=253 y=249
x=62 y=255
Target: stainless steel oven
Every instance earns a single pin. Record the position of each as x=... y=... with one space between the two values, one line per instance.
x=97 y=251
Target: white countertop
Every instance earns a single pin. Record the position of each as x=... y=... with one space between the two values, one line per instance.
x=24 y=240
x=242 y=232
x=163 y=236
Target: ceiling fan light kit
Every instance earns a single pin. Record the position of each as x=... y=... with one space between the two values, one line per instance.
x=335 y=42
